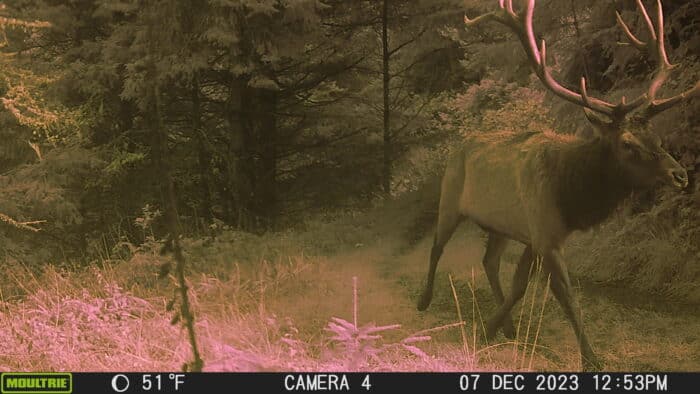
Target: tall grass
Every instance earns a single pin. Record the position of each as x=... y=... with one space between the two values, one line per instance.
x=255 y=317
x=289 y=302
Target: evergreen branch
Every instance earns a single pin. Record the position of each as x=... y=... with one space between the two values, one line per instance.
x=408 y=42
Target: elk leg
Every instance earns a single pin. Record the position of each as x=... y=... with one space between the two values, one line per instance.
x=448 y=219
x=563 y=291
x=520 y=279
x=447 y=223
x=495 y=246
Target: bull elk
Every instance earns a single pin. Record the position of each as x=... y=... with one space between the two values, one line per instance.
x=537 y=188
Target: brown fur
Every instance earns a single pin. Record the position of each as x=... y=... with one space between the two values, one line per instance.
x=537 y=188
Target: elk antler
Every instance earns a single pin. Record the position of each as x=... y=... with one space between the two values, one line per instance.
x=521 y=25
x=657 y=48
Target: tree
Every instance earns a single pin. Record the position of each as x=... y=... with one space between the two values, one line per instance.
x=411 y=39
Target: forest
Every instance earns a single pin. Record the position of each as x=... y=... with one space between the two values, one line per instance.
x=253 y=185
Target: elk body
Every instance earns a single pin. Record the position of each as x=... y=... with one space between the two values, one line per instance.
x=537 y=188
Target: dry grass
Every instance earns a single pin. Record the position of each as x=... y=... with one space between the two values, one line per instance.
x=296 y=310
x=87 y=321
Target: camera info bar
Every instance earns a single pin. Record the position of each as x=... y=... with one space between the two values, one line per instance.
x=357 y=382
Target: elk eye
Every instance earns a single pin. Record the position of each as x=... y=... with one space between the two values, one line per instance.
x=632 y=149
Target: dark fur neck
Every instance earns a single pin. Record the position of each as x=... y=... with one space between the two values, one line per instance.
x=590 y=183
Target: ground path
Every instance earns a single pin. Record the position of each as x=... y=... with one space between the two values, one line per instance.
x=629 y=332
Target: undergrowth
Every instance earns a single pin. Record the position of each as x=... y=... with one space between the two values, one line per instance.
x=287 y=302
x=268 y=303
x=654 y=252
x=88 y=322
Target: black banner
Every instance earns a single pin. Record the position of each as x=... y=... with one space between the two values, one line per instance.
x=487 y=382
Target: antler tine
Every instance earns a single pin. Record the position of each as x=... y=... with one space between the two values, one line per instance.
x=496 y=15
x=660 y=41
x=582 y=99
x=645 y=14
x=480 y=18
x=521 y=24
x=538 y=57
x=639 y=44
x=663 y=65
x=530 y=32
x=657 y=48
x=661 y=105
x=584 y=92
x=509 y=6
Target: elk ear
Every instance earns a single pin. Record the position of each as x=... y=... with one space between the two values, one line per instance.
x=600 y=121
x=602 y=125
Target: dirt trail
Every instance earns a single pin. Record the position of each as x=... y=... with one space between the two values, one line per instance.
x=626 y=333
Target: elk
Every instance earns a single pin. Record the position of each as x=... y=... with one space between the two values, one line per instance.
x=537 y=188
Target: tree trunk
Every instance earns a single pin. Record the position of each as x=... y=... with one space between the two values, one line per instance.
x=236 y=183
x=204 y=156
x=386 y=169
x=260 y=134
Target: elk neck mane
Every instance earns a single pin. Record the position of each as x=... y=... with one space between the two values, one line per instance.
x=589 y=181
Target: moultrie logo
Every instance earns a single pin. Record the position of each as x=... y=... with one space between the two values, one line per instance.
x=36 y=383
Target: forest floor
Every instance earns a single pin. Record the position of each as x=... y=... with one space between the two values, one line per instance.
x=268 y=316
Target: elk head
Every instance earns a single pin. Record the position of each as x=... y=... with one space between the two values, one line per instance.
x=641 y=160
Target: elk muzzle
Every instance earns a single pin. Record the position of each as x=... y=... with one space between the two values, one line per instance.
x=679 y=178
x=676 y=175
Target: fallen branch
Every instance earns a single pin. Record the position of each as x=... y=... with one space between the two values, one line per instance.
x=21 y=225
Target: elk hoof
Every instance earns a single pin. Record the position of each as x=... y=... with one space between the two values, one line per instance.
x=491 y=329
x=508 y=328
x=424 y=301
x=591 y=364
